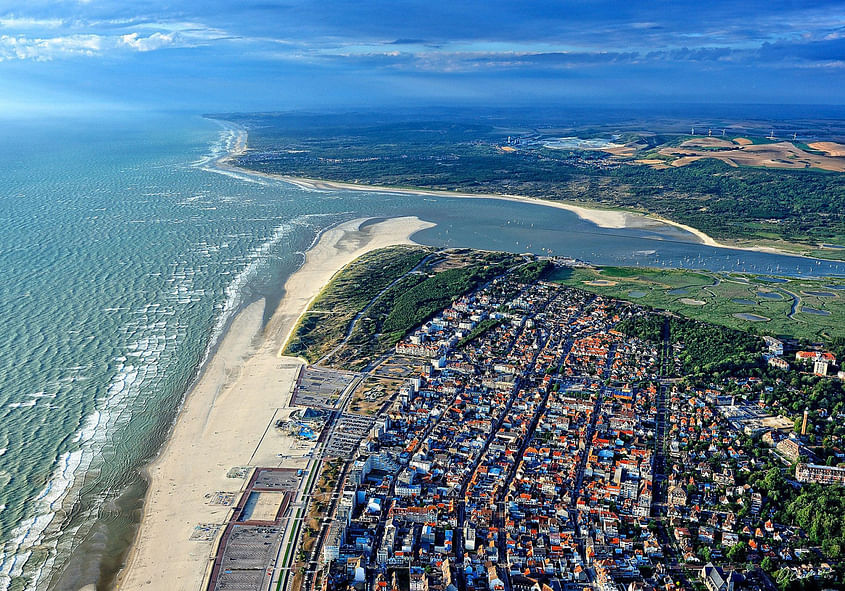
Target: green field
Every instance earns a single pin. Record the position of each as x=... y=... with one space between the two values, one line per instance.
x=741 y=301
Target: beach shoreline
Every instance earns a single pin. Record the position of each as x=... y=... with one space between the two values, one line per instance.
x=243 y=389
x=603 y=218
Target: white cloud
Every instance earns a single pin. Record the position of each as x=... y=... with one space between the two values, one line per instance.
x=151 y=43
x=11 y=21
x=189 y=29
x=24 y=48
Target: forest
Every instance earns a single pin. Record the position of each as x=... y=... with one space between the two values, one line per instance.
x=815 y=508
x=419 y=303
x=708 y=350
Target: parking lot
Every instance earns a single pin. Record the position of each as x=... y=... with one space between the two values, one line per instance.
x=346 y=434
x=318 y=387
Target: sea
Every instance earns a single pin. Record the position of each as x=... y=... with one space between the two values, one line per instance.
x=124 y=255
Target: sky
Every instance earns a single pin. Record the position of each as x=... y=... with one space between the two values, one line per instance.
x=231 y=55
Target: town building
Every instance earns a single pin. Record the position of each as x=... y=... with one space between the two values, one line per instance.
x=814 y=473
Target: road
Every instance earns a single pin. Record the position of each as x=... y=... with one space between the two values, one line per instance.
x=582 y=463
x=281 y=578
x=288 y=549
x=666 y=368
x=313 y=565
x=665 y=365
x=459 y=533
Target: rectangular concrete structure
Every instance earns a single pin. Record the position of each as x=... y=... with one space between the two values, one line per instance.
x=253 y=536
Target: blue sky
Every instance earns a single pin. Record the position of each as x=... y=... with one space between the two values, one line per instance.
x=263 y=55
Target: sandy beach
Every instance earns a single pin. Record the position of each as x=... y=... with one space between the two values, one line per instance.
x=226 y=420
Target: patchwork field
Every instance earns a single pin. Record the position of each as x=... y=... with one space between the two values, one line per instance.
x=779 y=306
x=829 y=148
x=746 y=153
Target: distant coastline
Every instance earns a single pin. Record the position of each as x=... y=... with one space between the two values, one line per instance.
x=603 y=218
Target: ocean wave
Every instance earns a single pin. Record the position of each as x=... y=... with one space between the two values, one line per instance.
x=232 y=139
x=29 y=534
x=233 y=293
x=27 y=404
x=141 y=354
x=150 y=339
x=42 y=529
x=236 y=175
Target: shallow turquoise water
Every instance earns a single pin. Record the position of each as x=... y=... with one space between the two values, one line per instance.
x=124 y=256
